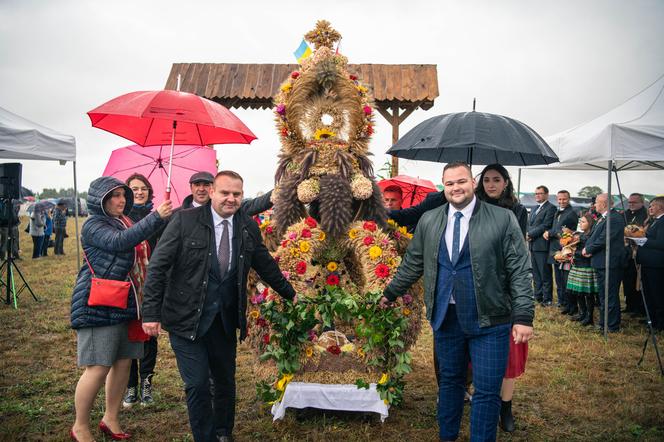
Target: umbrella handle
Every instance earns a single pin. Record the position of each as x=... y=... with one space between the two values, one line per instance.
x=167 y=195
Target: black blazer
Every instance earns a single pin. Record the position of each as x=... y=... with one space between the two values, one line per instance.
x=539 y=223
x=409 y=217
x=565 y=218
x=596 y=244
x=651 y=254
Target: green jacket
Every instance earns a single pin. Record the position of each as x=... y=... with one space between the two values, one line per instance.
x=499 y=257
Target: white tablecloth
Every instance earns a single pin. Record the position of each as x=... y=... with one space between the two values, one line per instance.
x=345 y=397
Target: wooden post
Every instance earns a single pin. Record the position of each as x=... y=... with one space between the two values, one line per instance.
x=395 y=137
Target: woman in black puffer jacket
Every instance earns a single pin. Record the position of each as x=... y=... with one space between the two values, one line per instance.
x=114 y=249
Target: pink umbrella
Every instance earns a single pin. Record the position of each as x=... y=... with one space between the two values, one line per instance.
x=154 y=163
x=414 y=190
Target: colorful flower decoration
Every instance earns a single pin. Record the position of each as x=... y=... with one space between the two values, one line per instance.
x=368 y=240
x=294 y=75
x=369 y=225
x=382 y=271
x=311 y=222
x=332 y=279
x=353 y=233
x=306 y=233
x=254 y=314
x=324 y=133
x=332 y=266
x=281 y=109
x=304 y=246
x=301 y=268
x=334 y=349
x=375 y=252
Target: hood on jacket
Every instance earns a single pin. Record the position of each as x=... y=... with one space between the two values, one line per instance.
x=100 y=190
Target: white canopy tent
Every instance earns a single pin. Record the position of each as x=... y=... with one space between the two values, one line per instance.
x=21 y=139
x=628 y=137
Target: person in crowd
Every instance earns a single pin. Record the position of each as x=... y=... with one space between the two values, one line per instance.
x=567 y=217
x=410 y=216
x=196 y=290
x=60 y=227
x=541 y=220
x=37 y=226
x=592 y=210
x=142 y=368
x=636 y=214
x=650 y=255
x=200 y=183
x=472 y=308
x=595 y=249
x=582 y=280
x=392 y=197
x=9 y=221
x=495 y=187
x=113 y=249
x=48 y=231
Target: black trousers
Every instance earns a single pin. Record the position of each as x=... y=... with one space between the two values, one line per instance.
x=615 y=276
x=145 y=365
x=561 y=284
x=542 y=276
x=633 y=301
x=653 y=289
x=59 y=248
x=213 y=353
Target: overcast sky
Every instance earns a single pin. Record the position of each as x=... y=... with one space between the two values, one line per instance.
x=551 y=65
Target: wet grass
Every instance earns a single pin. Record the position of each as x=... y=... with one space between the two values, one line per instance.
x=576 y=387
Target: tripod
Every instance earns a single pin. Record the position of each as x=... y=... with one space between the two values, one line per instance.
x=9 y=281
x=651 y=332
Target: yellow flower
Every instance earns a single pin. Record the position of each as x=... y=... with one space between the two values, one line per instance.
x=286 y=87
x=362 y=89
x=352 y=233
x=294 y=252
x=285 y=379
x=254 y=314
x=264 y=224
x=383 y=379
x=386 y=402
x=309 y=352
x=347 y=348
x=403 y=230
x=321 y=236
x=375 y=252
x=391 y=222
x=406 y=311
x=305 y=246
x=393 y=262
x=360 y=352
x=409 y=235
x=332 y=266
x=323 y=133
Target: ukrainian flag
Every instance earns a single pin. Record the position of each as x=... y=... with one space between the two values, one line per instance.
x=302 y=52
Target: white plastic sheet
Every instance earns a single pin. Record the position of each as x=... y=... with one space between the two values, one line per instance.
x=341 y=397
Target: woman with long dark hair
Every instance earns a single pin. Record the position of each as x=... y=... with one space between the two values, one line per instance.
x=582 y=280
x=144 y=367
x=495 y=187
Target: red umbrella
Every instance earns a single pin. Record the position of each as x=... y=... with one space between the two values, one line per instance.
x=153 y=162
x=170 y=117
x=414 y=190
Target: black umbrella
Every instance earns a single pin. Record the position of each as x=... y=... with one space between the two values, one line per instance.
x=476 y=138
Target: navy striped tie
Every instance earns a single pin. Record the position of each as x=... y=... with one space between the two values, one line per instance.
x=456 y=239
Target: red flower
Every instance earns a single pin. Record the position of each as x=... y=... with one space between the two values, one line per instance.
x=368 y=240
x=382 y=271
x=332 y=279
x=268 y=230
x=301 y=267
x=369 y=129
x=284 y=243
x=369 y=225
x=310 y=222
x=334 y=349
x=353 y=77
x=295 y=74
x=261 y=322
x=266 y=339
x=367 y=110
x=306 y=233
x=284 y=132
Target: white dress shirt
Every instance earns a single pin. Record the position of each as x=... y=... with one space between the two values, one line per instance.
x=219 y=230
x=195 y=204
x=465 y=222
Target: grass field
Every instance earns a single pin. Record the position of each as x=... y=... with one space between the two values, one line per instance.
x=576 y=387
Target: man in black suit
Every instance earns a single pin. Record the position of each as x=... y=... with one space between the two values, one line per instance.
x=565 y=216
x=196 y=288
x=541 y=220
x=596 y=249
x=636 y=214
x=650 y=256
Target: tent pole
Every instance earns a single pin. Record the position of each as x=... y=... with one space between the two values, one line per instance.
x=78 y=239
x=607 y=269
x=622 y=201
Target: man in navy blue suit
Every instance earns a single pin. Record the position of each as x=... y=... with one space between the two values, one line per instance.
x=596 y=249
x=650 y=256
x=541 y=220
x=477 y=293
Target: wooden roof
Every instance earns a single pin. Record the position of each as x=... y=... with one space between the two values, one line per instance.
x=254 y=85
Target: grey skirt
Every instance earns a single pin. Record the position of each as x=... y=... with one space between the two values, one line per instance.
x=105 y=345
